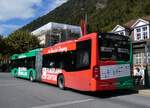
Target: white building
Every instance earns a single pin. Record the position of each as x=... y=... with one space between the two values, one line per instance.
x=52 y=33
x=140 y=38
x=141 y=29
x=122 y=30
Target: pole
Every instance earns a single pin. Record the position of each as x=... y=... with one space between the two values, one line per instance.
x=86 y=18
x=86 y=21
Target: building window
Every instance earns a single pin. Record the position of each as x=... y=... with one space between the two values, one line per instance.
x=148 y=58
x=144 y=32
x=141 y=33
x=138 y=33
x=144 y=28
x=138 y=58
x=120 y=32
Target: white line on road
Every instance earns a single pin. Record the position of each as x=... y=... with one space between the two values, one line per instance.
x=63 y=103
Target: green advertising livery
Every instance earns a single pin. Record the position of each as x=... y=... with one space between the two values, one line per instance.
x=25 y=65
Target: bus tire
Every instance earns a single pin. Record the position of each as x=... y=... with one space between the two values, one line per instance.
x=31 y=77
x=61 y=82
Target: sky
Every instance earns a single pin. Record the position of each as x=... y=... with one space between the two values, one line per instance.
x=17 y=13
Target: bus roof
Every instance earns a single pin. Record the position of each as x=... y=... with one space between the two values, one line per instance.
x=30 y=53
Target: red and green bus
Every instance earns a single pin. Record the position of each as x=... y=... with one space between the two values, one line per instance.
x=24 y=65
x=94 y=62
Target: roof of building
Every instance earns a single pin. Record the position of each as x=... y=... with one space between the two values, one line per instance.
x=51 y=25
x=131 y=22
x=147 y=18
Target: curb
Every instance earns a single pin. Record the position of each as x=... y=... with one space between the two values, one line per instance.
x=144 y=92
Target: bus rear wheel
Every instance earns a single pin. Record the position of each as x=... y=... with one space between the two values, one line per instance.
x=61 y=82
x=31 y=77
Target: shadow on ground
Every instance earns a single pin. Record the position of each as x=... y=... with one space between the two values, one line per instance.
x=108 y=94
x=99 y=94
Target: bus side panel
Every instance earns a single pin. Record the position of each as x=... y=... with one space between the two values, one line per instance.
x=82 y=80
x=50 y=75
x=23 y=72
x=94 y=60
x=79 y=80
x=49 y=81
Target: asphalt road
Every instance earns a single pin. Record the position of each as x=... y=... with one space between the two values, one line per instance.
x=20 y=93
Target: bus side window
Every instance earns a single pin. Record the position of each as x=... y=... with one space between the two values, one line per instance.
x=21 y=62
x=49 y=61
x=45 y=61
x=25 y=63
x=51 y=64
x=83 y=60
x=30 y=62
x=69 y=61
x=79 y=59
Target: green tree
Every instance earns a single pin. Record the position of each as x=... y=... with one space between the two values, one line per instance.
x=2 y=45
x=21 y=41
x=1 y=39
x=103 y=15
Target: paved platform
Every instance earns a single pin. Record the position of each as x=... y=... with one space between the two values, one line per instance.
x=144 y=92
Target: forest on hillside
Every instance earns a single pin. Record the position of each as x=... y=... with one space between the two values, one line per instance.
x=103 y=15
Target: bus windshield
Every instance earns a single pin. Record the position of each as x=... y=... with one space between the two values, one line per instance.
x=114 y=47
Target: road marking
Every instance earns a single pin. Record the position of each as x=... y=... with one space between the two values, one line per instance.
x=5 y=85
x=63 y=103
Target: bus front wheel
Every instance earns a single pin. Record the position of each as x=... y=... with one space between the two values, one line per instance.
x=61 y=82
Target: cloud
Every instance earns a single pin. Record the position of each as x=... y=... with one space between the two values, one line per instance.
x=54 y=3
x=14 y=11
x=6 y=29
x=21 y=9
x=59 y=2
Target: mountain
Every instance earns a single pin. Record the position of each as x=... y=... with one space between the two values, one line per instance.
x=103 y=15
